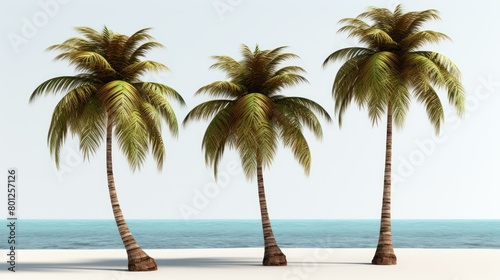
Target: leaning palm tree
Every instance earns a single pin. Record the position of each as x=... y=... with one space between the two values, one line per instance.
x=109 y=96
x=252 y=116
x=385 y=74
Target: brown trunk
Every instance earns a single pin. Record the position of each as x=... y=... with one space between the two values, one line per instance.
x=272 y=253
x=138 y=260
x=385 y=252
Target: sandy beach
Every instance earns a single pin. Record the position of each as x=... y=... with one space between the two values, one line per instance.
x=314 y=263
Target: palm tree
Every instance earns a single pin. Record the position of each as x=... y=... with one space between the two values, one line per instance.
x=383 y=76
x=109 y=96
x=252 y=116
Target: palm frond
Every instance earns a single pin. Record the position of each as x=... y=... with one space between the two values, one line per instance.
x=217 y=136
x=133 y=71
x=290 y=70
x=141 y=51
x=135 y=40
x=223 y=89
x=63 y=84
x=119 y=98
x=307 y=103
x=152 y=121
x=282 y=81
x=91 y=127
x=419 y=39
x=159 y=101
x=430 y=99
x=347 y=54
x=65 y=118
x=88 y=61
x=413 y=21
x=206 y=110
x=400 y=103
x=162 y=89
x=278 y=58
x=92 y=36
x=256 y=137
x=132 y=137
x=248 y=54
x=233 y=68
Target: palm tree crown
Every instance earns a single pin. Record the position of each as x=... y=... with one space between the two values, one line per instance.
x=252 y=115
x=109 y=88
x=391 y=68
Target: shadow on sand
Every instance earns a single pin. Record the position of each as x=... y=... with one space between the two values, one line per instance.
x=121 y=264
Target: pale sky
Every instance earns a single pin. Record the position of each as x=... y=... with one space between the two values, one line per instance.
x=454 y=176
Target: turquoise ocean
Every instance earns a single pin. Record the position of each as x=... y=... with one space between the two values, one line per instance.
x=164 y=234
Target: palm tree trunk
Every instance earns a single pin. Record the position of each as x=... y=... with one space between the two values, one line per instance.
x=385 y=252
x=138 y=260
x=272 y=253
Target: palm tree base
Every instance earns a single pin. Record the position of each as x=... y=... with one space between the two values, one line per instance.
x=274 y=257
x=384 y=259
x=143 y=263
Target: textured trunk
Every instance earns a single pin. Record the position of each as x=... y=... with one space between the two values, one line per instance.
x=272 y=253
x=385 y=252
x=138 y=260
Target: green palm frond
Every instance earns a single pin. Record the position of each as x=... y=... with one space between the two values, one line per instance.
x=88 y=61
x=227 y=64
x=91 y=127
x=152 y=121
x=256 y=137
x=65 y=117
x=290 y=70
x=347 y=54
x=132 y=137
x=137 y=69
x=277 y=58
x=381 y=16
x=217 y=136
x=420 y=38
x=249 y=55
x=133 y=42
x=207 y=110
x=282 y=81
x=223 y=89
x=92 y=36
x=159 y=101
x=63 y=84
x=413 y=21
x=141 y=51
x=442 y=61
x=296 y=109
x=162 y=89
x=290 y=131
x=119 y=98
x=441 y=72
x=428 y=96
x=400 y=103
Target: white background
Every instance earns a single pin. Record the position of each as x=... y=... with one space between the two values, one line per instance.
x=454 y=176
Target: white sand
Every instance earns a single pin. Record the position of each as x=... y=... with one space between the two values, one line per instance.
x=235 y=264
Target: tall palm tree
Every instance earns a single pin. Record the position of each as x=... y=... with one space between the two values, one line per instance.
x=109 y=96
x=252 y=116
x=385 y=74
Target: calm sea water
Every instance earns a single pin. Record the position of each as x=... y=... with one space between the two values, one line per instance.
x=162 y=234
